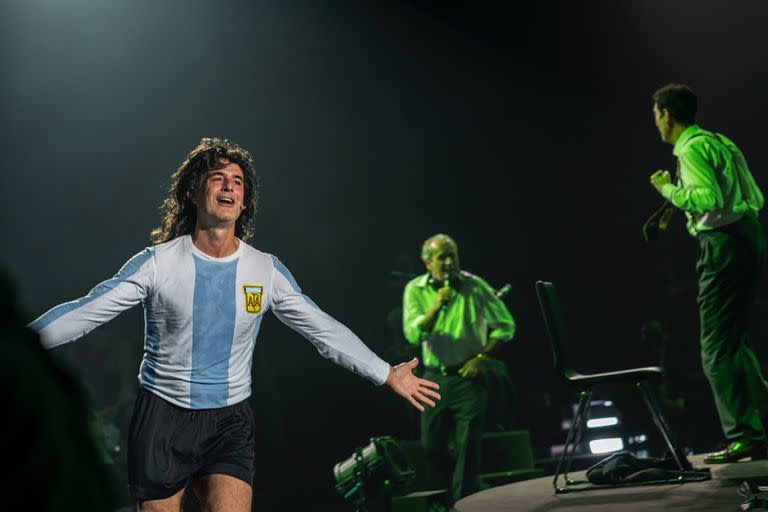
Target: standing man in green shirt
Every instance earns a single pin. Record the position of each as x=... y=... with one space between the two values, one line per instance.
x=716 y=191
x=458 y=320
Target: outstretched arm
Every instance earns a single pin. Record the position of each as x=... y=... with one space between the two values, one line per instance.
x=414 y=389
x=71 y=320
x=332 y=339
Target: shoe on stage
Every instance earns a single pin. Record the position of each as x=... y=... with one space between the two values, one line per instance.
x=738 y=450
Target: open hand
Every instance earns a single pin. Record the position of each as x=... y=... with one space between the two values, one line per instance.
x=414 y=389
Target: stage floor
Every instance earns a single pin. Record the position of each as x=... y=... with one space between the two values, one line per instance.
x=718 y=494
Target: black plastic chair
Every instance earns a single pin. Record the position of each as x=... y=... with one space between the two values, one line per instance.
x=556 y=331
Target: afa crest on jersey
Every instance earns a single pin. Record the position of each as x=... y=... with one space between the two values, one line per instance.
x=253 y=294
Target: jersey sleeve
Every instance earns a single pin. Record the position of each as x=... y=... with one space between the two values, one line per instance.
x=332 y=339
x=72 y=320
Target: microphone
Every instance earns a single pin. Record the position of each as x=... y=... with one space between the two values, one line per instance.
x=446 y=284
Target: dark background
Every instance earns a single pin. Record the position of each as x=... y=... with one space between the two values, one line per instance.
x=524 y=131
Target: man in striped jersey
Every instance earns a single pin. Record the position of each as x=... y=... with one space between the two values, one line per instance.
x=204 y=293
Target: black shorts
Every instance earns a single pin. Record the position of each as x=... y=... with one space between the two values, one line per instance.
x=168 y=445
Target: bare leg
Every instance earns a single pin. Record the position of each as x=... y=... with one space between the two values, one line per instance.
x=222 y=493
x=172 y=504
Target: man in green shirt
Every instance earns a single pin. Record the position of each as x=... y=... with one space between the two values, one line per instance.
x=716 y=191
x=458 y=320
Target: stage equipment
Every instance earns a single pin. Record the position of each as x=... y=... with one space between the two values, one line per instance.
x=554 y=321
x=379 y=468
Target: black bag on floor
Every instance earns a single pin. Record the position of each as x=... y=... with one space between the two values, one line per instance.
x=626 y=468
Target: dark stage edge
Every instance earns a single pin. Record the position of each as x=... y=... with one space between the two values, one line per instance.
x=718 y=494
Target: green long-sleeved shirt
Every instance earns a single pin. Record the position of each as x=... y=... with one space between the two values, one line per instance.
x=716 y=187
x=463 y=328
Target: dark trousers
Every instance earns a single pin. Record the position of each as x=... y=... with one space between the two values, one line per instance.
x=729 y=265
x=451 y=432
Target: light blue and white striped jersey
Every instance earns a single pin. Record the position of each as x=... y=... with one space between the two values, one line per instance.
x=202 y=315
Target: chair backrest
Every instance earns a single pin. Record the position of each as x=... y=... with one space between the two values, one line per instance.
x=554 y=321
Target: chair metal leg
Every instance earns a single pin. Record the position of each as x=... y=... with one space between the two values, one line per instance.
x=581 y=426
x=576 y=426
x=661 y=423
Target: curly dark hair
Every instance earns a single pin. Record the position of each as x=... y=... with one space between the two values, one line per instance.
x=180 y=213
x=679 y=100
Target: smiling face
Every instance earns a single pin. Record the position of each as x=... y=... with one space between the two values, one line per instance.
x=220 y=200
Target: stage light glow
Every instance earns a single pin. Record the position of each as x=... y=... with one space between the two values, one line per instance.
x=611 y=444
x=602 y=422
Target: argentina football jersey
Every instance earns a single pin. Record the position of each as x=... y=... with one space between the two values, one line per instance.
x=202 y=318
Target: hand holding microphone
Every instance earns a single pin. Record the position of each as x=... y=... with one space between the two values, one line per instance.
x=445 y=294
